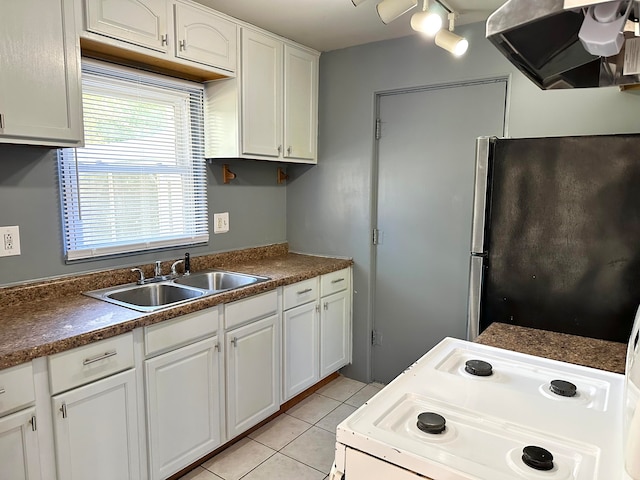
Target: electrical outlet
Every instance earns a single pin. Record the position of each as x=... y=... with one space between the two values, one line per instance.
x=9 y=241
x=221 y=222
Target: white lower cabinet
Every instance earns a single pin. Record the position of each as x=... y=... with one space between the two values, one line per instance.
x=19 y=451
x=335 y=328
x=300 y=349
x=183 y=406
x=96 y=430
x=253 y=381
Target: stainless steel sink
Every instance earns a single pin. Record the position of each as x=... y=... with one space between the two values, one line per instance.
x=218 y=280
x=164 y=294
x=149 y=297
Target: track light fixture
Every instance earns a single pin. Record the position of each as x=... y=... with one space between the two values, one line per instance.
x=389 y=10
x=450 y=41
x=426 y=21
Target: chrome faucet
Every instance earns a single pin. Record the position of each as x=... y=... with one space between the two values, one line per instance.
x=158 y=269
x=174 y=273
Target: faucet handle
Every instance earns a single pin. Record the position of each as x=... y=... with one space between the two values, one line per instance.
x=173 y=267
x=158 y=269
x=141 y=279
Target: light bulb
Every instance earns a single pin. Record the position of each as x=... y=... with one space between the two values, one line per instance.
x=426 y=22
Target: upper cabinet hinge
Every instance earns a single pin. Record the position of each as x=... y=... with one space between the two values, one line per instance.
x=376 y=236
x=378 y=129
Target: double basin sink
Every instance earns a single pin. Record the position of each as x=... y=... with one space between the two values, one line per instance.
x=154 y=296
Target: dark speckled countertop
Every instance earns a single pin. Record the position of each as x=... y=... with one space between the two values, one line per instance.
x=53 y=316
x=589 y=352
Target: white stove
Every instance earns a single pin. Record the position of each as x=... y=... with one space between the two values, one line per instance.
x=466 y=411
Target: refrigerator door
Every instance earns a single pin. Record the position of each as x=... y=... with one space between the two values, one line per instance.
x=475 y=294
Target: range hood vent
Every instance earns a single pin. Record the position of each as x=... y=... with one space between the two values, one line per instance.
x=541 y=39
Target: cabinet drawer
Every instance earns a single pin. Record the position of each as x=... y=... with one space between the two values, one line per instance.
x=300 y=293
x=334 y=282
x=181 y=330
x=16 y=388
x=91 y=362
x=249 y=309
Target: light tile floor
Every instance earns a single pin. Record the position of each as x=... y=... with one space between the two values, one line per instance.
x=298 y=445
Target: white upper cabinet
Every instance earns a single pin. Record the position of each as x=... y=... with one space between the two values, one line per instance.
x=300 y=103
x=39 y=74
x=277 y=92
x=141 y=22
x=204 y=37
x=262 y=85
x=176 y=36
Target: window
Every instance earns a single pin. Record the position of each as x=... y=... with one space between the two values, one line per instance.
x=139 y=183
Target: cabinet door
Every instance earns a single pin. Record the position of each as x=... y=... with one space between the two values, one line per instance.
x=96 y=430
x=253 y=374
x=261 y=94
x=334 y=332
x=205 y=38
x=300 y=103
x=39 y=74
x=183 y=406
x=19 y=453
x=300 y=344
x=141 y=22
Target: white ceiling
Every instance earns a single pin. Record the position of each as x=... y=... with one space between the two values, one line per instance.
x=332 y=24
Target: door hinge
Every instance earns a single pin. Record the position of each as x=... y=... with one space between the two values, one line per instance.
x=378 y=129
x=375 y=237
x=376 y=338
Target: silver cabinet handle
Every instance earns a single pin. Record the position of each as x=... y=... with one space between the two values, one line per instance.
x=89 y=361
x=306 y=290
x=217 y=346
x=326 y=305
x=279 y=149
x=1 y=121
x=34 y=427
x=338 y=280
x=317 y=307
x=165 y=40
x=182 y=44
x=2 y=390
x=63 y=409
x=289 y=150
x=234 y=341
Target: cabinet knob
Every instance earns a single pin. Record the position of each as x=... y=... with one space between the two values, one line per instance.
x=234 y=341
x=279 y=149
x=289 y=150
x=326 y=305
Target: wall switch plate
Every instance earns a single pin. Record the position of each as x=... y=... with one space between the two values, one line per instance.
x=221 y=222
x=9 y=241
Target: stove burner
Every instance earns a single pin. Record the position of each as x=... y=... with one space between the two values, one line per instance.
x=537 y=458
x=430 y=422
x=563 y=388
x=479 y=368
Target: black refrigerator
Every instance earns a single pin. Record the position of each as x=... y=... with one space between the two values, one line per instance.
x=556 y=235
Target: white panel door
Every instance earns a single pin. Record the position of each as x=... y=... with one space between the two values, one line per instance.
x=261 y=94
x=334 y=332
x=205 y=38
x=253 y=381
x=19 y=452
x=141 y=22
x=39 y=74
x=96 y=430
x=300 y=103
x=300 y=344
x=426 y=166
x=183 y=406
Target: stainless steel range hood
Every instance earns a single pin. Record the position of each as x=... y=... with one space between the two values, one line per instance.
x=541 y=39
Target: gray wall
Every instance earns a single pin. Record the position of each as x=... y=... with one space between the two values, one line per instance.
x=329 y=206
x=29 y=198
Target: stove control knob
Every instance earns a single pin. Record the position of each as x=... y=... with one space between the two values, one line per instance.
x=430 y=422
x=563 y=388
x=537 y=458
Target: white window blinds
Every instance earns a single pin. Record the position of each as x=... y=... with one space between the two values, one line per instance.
x=139 y=183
